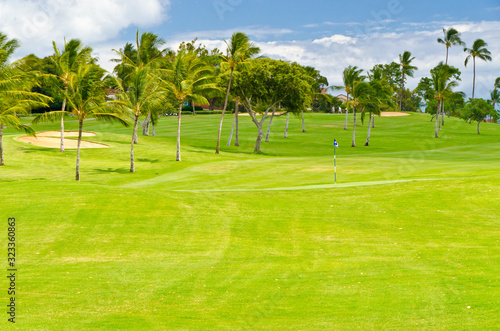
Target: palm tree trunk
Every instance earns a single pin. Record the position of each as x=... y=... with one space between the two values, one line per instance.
x=473 y=76
x=438 y=112
x=442 y=114
x=436 y=135
x=145 y=125
x=194 y=110
x=1 y=145
x=446 y=62
x=401 y=90
x=178 y=155
x=346 y=113
x=286 y=125
x=373 y=121
x=134 y=134
x=260 y=134
x=303 y=123
x=80 y=127
x=270 y=123
x=478 y=122
x=154 y=131
x=217 y=150
x=232 y=130
x=62 y=124
x=367 y=143
x=237 y=133
x=354 y=128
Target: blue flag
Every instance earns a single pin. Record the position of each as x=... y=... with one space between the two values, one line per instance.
x=335 y=143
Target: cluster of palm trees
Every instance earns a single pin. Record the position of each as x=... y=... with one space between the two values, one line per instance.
x=147 y=78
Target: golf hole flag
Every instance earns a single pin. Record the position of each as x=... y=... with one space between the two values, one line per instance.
x=335 y=144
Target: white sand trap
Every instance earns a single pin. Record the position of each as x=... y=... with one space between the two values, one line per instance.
x=392 y=114
x=49 y=139
x=66 y=134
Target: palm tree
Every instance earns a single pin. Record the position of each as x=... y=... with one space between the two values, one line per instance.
x=406 y=70
x=140 y=96
x=146 y=53
x=497 y=83
x=239 y=51
x=66 y=62
x=442 y=86
x=187 y=78
x=478 y=50
x=495 y=97
x=361 y=94
x=16 y=82
x=451 y=38
x=381 y=96
x=86 y=98
x=350 y=76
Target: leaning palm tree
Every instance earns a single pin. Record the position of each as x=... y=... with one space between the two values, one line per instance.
x=66 y=62
x=85 y=98
x=350 y=76
x=442 y=86
x=239 y=51
x=451 y=38
x=480 y=51
x=381 y=96
x=16 y=82
x=407 y=69
x=187 y=77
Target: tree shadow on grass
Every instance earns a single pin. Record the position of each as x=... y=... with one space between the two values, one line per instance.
x=109 y=170
x=148 y=160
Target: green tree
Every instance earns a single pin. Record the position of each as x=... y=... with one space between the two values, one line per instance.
x=187 y=77
x=67 y=62
x=497 y=83
x=451 y=38
x=407 y=69
x=495 y=97
x=85 y=98
x=266 y=84
x=480 y=51
x=478 y=110
x=239 y=51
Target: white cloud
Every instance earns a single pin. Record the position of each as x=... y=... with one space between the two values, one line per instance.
x=335 y=39
x=36 y=23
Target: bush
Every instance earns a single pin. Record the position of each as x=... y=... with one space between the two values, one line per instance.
x=190 y=108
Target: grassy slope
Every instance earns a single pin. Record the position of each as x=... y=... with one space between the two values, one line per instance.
x=122 y=250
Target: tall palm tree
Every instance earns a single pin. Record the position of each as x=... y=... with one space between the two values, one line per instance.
x=442 y=86
x=480 y=51
x=140 y=96
x=187 y=78
x=451 y=38
x=407 y=69
x=361 y=94
x=239 y=51
x=85 y=98
x=67 y=61
x=350 y=76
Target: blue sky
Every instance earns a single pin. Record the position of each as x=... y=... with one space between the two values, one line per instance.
x=328 y=35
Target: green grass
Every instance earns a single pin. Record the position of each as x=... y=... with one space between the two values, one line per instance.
x=408 y=238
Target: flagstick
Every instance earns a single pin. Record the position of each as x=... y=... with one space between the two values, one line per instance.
x=335 y=163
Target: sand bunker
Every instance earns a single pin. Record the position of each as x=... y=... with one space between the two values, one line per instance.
x=392 y=114
x=52 y=139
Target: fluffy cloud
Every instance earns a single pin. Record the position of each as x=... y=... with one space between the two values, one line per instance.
x=37 y=22
x=335 y=39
